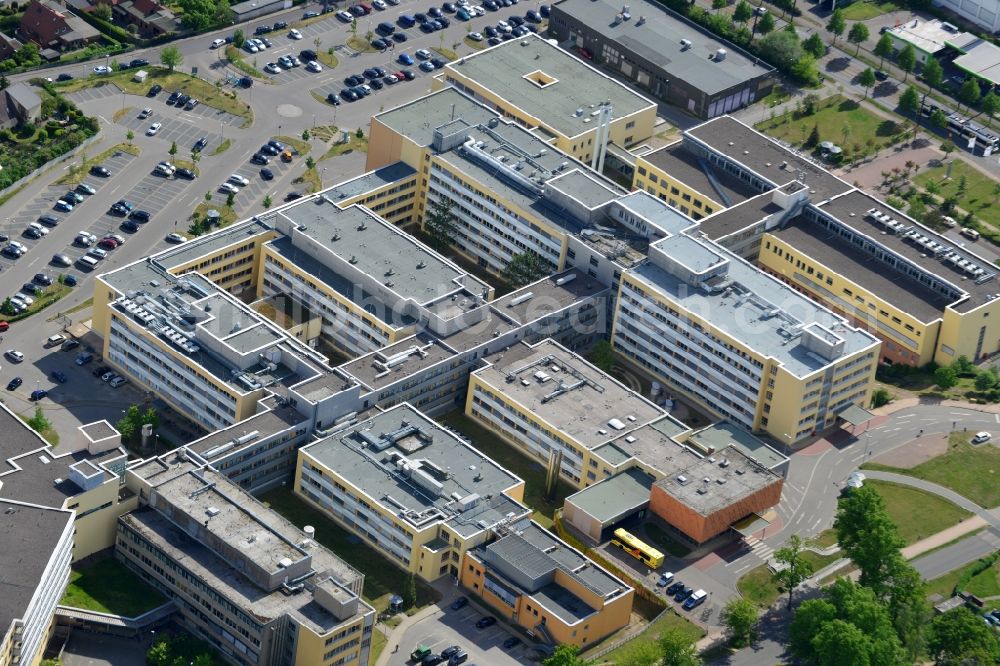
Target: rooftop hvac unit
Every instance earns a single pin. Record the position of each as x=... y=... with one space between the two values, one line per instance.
x=517 y=300
x=566 y=279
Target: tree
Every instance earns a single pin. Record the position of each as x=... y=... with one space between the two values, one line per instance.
x=173 y=148
x=410 y=591
x=766 y=24
x=908 y=607
x=962 y=365
x=310 y=162
x=524 y=268
x=38 y=422
x=868 y=536
x=4 y=83
x=961 y=637
x=907 y=60
x=170 y=57
x=305 y=135
x=840 y=642
x=739 y=617
x=781 y=49
x=986 y=380
x=990 y=104
x=837 y=24
x=883 y=49
x=102 y=11
x=742 y=12
x=678 y=648
x=129 y=135
x=230 y=199
x=810 y=617
x=267 y=202
x=814 y=46
x=969 y=93
x=938 y=119
x=948 y=147
x=440 y=223
x=867 y=79
x=945 y=378
x=796 y=571
x=719 y=4
x=565 y=655
x=881 y=397
x=159 y=654
x=858 y=34
x=602 y=355
x=239 y=38
x=909 y=101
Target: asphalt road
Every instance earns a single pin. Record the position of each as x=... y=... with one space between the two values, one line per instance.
x=958 y=554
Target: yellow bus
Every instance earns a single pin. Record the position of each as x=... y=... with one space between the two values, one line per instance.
x=637 y=549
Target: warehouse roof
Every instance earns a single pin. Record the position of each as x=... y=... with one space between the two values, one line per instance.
x=614 y=497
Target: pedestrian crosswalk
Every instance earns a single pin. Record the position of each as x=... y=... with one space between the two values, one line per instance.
x=760 y=549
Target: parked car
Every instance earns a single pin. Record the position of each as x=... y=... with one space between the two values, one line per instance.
x=175 y=238
x=14 y=355
x=487 y=621
x=201 y=143
x=49 y=220
x=153 y=129
x=14 y=383
x=102 y=69
x=664 y=579
x=218 y=43
x=154 y=90
x=38 y=394
x=266 y=174
x=981 y=437
x=86 y=189
x=187 y=174
x=460 y=603
x=69 y=280
x=61 y=260
x=84 y=358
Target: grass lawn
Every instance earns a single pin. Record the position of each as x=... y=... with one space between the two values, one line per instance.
x=235 y=56
x=346 y=148
x=311 y=179
x=979 y=198
x=969 y=471
x=758 y=586
x=78 y=172
x=48 y=433
x=359 y=44
x=382 y=578
x=473 y=44
x=862 y=11
x=300 y=146
x=833 y=114
x=200 y=89
x=510 y=458
x=445 y=53
x=108 y=586
x=222 y=147
x=327 y=59
x=226 y=214
x=668 y=620
x=824 y=539
x=984 y=584
x=917 y=514
x=51 y=295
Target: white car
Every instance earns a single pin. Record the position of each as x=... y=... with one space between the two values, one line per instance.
x=145 y=113
x=476 y=36
x=294 y=34
x=477 y=11
x=97 y=253
x=102 y=69
x=346 y=17
x=23 y=297
x=237 y=179
x=981 y=437
x=272 y=68
x=259 y=44
x=176 y=238
x=378 y=4
x=250 y=47
x=117 y=381
x=422 y=54
x=14 y=355
x=165 y=169
x=153 y=129
x=314 y=66
x=218 y=43
x=39 y=228
x=229 y=188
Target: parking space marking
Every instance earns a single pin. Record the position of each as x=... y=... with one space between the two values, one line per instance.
x=96 y=92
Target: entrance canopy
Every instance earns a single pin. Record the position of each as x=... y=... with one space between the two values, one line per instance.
x=855 y=415
x=750 y=525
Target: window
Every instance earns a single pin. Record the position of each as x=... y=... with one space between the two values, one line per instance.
x=593 y=261
x=642 y=171
x=630 y=124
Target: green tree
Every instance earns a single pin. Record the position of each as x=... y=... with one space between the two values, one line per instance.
x=602 y=355
x=742 y=12
x=4 y=83
x=38 y=422
x=907 y=60
x=814 y=46
x=781 y=49
x=810 y=617
x=173 y=148
x=102 y=11
x=719 y=4
x=267 y=202
x=948 y=147
x=960 y=638
x=565 y=655
x=766 y=24
x=986 y=380
x=837 y=24
x=867 y=79
x=990 y=105
x=305 y=135
x=969 y=93
x=858 y=34
x=128 y=425
x=945 y=378
x=868 y=536
x=677 y=648
x=962 y=365
x=170 y=57
x=839 y=642
x=739 y=617
x=239 y=38
x=440 y=223
x=129 y=136
x=883 y=48
x=938 y=119
x=909 y=101
x=310 y=162
x=933 y=73
x=204 y=660
x=796 y=571
x=881 y=397
x=524 y=268
x=908 y=608
x=410 y=592
x=159 y=654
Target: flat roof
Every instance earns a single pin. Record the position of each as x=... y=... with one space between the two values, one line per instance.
x=220 y=574
x=700 y=175
x=568 y=393
x=928 y=36
x=412 y=467
x=418 y=119
x=409 y=356
x=494 y=324
x=323 y=386
x=654 y=444
x=842 y=258
x=542 y=298
x=18 y=438
x=852 y=209
x=765 y=157
x=30 y=536
x=547 y=83
x=729 y=480
x=200 y=246
x=584 y=187
x=395 y=258
x=657 y=40
x=744 y=214
x=668 y=220
x=616 y=497
x=368 y=182
x=265 y=424
x=724 y=435
x=759 y=293
x=982 y=59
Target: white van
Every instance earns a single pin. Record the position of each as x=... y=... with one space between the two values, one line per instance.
x=970 y=233
x=87 y=263
x=55 y=340
x=217 y=43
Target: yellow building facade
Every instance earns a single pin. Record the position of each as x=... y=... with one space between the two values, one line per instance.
x=658 y=182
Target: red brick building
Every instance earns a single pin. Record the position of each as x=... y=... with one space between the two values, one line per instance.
x=52 y=26
x=706 y=498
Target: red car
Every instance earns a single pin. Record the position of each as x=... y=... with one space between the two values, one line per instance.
x=367 y=8
x=109 y=243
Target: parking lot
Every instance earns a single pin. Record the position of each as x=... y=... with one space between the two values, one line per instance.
x=447 y=627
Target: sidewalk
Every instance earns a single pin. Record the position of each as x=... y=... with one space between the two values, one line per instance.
x=943 y=537
x=393 y=637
